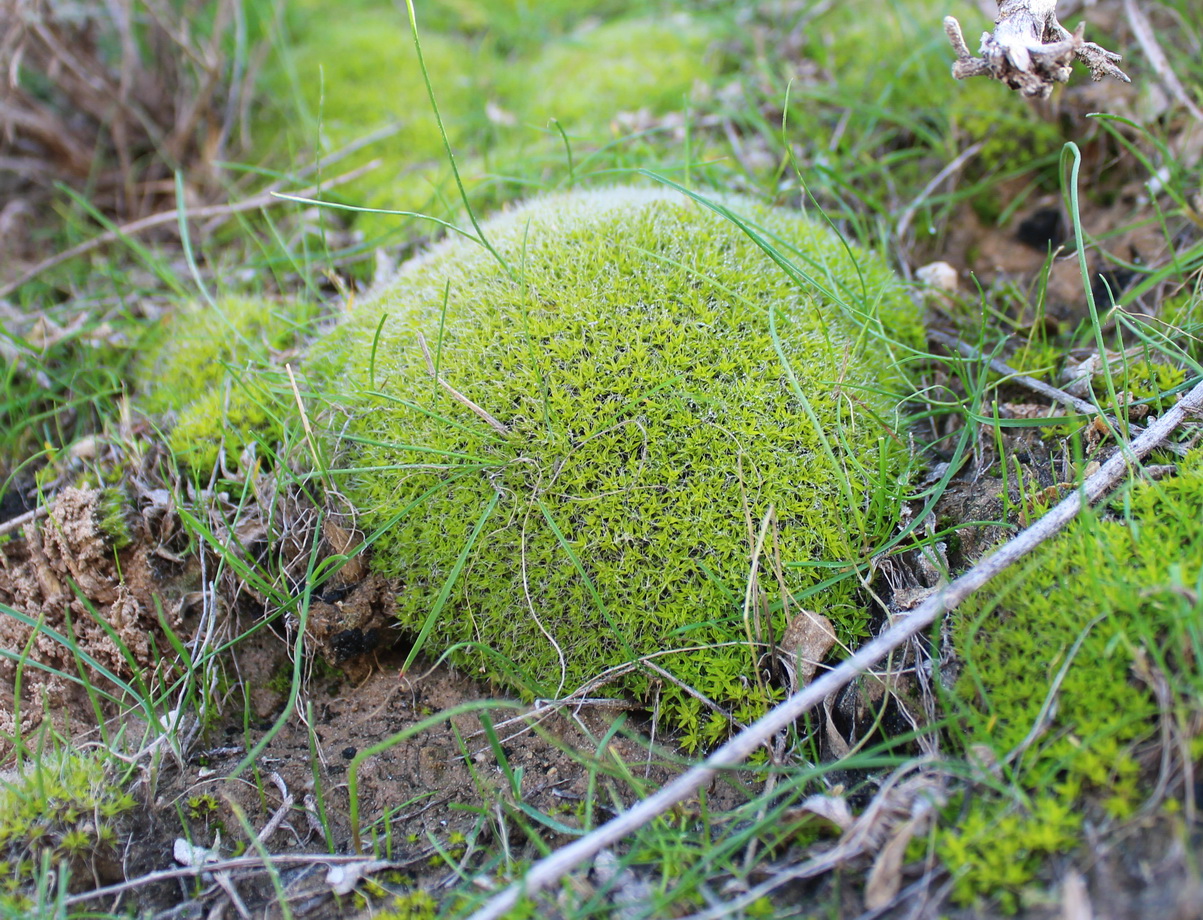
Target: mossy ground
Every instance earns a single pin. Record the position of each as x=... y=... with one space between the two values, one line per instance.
x=814 y=106
x=61 y=809
x=211 y=374
x=503 y=74
x=1067 y=665
x=661 y=386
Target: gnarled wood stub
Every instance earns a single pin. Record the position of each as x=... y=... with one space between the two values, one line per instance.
x=1029 y=49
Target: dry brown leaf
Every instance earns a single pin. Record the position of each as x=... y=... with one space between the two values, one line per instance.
x=807 y=639
x=831 y=808
x=836 y=743
x=885 y=878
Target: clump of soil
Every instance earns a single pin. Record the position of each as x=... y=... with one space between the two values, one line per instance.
x=66 y=576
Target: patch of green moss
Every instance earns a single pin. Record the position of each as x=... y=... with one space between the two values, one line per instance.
x=518 y=25
x=114 y=516
x=206 y=370
x=416 y=905
x=198 y=345
x=1093 y=617
x=649 y=366
x=1011 y=132
x=587 y=78
x=1150 y=381
x=499 y=68
x=360 y=73
x=997 y=852
x=228 y=418
x=63 y=808
x=348 y=76
x=1037 y=358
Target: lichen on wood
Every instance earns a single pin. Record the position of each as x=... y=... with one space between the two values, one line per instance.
x=1029 y=49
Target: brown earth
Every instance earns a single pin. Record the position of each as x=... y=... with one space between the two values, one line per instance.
x=66 y=576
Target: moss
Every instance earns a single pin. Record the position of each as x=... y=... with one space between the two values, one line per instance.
x=1096 y=614
x=517 y=25
x=360 y=73
x=1010 y=130
x=631 y=353
x=416 y=905
x=228 y=418
x=347 y=76
x=585 y=79
x=1037 y=357
x=114 y=517
x=996 y=851
x=197 y=346
x=1151 y=380
x=206 y=372
x=63 y=808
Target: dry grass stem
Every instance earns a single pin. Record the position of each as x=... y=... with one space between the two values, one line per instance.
x=1143 y=30
x=456 y=394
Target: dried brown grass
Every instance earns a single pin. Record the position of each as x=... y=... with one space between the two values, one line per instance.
x=112 y=97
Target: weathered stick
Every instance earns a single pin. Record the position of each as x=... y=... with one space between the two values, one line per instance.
x=1029 y=49
x=550 y=869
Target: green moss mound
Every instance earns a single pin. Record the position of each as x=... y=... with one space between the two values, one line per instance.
x=348 y=76
x=500 y=69
x=360 y=73
x=585 y=79
x=661 y=383
x=1106 y=607
x=209 y=373
x=517 y=25
x=65 y=809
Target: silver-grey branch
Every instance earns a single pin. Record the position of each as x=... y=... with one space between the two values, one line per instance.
x=1029 y=49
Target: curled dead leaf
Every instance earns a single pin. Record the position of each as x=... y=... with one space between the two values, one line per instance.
x=807 y=639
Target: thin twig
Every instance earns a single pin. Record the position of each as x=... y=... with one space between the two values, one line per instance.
x=955 y=164
x=280 y=813
x=252 y=863
x=1143 y=30
x=549 y=870
x=455 y=394
x=14 y=524
x=1036 y=386
x=1089 y=409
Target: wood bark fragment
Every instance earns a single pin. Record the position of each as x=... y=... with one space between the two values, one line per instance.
x=1030 y=50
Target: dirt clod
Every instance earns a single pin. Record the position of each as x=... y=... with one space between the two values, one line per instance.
x=65 y=576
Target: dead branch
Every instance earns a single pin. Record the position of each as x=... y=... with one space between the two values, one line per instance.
x=1030 y=50
x=243 y=865
x=552 y=868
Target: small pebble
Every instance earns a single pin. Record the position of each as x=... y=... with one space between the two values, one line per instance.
x=939 y=275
